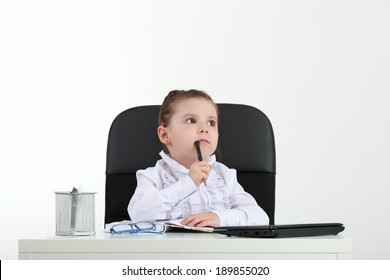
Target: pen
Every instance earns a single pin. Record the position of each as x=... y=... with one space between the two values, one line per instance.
x=198 y=152
x=73 y=208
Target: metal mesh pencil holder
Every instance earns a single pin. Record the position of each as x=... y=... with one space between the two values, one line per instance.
x=75 y=213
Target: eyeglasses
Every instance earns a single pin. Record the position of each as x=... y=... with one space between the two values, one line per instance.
x=140 y=227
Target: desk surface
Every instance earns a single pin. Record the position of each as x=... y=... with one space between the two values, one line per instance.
x=174 y=245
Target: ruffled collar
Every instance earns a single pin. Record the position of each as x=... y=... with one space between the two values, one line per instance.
x=177 y=167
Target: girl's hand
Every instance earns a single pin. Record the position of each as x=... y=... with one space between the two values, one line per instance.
x=208 y=219
x=199 y=172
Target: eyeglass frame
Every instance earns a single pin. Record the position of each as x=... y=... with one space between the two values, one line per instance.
x=134 y=228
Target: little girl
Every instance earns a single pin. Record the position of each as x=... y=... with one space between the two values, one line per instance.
x=204 y=193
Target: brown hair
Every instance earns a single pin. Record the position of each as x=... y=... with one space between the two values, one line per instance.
x=167 y=110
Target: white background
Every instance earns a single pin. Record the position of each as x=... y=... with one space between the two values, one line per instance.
x=319 y=69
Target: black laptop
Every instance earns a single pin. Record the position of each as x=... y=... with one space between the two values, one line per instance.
x=280 y=231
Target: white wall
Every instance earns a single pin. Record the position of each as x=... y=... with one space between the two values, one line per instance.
x=319 y=69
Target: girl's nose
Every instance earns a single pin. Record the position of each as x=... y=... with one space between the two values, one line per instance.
x=203 y=130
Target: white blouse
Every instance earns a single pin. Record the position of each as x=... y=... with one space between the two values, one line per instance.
x=166 y=191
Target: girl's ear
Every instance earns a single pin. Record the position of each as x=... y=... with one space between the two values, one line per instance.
x=162 y=134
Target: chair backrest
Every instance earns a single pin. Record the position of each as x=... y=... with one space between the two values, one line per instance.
x=246 y=143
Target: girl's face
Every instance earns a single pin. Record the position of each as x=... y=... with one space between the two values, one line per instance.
x=193 y=119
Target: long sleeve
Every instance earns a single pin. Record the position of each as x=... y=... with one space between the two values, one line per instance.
x=157 y=194
x=244 y=208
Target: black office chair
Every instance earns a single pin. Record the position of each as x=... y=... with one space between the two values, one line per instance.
x=246 y=143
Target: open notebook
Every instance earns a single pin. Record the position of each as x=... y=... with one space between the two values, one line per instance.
x=175 y=225
x=280 y=231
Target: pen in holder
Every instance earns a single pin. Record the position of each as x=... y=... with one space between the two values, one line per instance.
x=75 y=213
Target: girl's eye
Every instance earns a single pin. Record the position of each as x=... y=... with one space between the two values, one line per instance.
x=211 y=123
x=190 y=120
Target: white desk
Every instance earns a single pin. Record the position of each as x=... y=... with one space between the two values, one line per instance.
x=183 y=246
